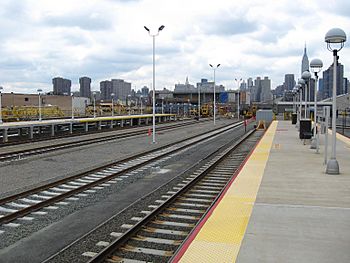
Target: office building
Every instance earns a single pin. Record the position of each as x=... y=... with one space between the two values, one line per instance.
x=61 y=86
x=327 y=91
x=121 y=89
x=145 y=91
x=106 y=90
x=85 y=87
x=266 y=94
x=289 y=81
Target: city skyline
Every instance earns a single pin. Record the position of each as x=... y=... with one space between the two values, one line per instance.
x=106 y=39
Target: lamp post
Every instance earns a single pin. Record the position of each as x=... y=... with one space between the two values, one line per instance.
x=154 y=80
x=39 y=93
x=315 y=66
x=306 y=77
x=72 y=96
x=112 y=96
x=297 y=101
x=301 y=83
x=238 y=99
x=128 y=99
x=162 y=105
x=1 y=88
x=334 y=36
x=141 y=104
x=199 y=102
x=214 y=104
x=295 y=93
x=94 y=94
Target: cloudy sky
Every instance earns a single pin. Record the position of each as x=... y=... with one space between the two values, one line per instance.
x=104 y=39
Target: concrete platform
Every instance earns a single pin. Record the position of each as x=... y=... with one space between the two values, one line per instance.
x=281 y=207
x=32 y=127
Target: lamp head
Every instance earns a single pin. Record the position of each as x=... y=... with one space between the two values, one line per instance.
x=316 y=65
x=147 y=29
x=211 y=65
x=306 y=75
x=301 y=82
x=39 y=90
x=161 y=28
x=335 y=36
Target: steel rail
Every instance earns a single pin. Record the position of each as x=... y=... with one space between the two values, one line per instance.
x=119 y=242
x=22 y=212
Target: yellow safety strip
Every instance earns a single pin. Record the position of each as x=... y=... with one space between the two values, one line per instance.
x=220 y=238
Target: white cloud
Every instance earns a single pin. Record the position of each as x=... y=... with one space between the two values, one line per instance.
x=105 y=38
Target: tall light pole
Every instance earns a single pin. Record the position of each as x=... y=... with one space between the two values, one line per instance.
x=214 y=104
x=94 y=94
x=298 y=102
x=301 y=83
x=306 y=77
x=334 y=36
x=238 y=99
x=129 y=103
x=72 y=96
x=154 y=80
x=295 y=92
x=112 y=95
x=39 y=93
x=1 y=88
x=315 y=66
x=141 y=104
x=162 y=105
x=199 y=102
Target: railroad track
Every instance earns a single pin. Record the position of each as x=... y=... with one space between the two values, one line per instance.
x=155 y=234
x=39 y=201
x=22 y=154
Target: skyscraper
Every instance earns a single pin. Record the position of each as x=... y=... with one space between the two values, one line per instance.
x=328 y=81
x=145 y=91
x=304 y=62
x=289 y=81
x=121 y=89
x=61 y=86
x=85 y=87
x=106 y=89
x=266 y=94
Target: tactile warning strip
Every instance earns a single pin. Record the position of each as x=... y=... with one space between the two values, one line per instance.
x=220 y=238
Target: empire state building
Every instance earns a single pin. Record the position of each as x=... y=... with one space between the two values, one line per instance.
x=304 y=62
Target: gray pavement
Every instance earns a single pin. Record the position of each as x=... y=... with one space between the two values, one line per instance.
x=301 y=214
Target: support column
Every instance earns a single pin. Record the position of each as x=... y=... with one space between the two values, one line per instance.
x=122 y=123
x=86 y=126
x=31 y=132
x=147 y=121
x=160 y=119
x=99 y=125
x=5 y=135
x=71 y=127
x=131 y=122
x=53 y=130
x=112 y=124
x=139 y=121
